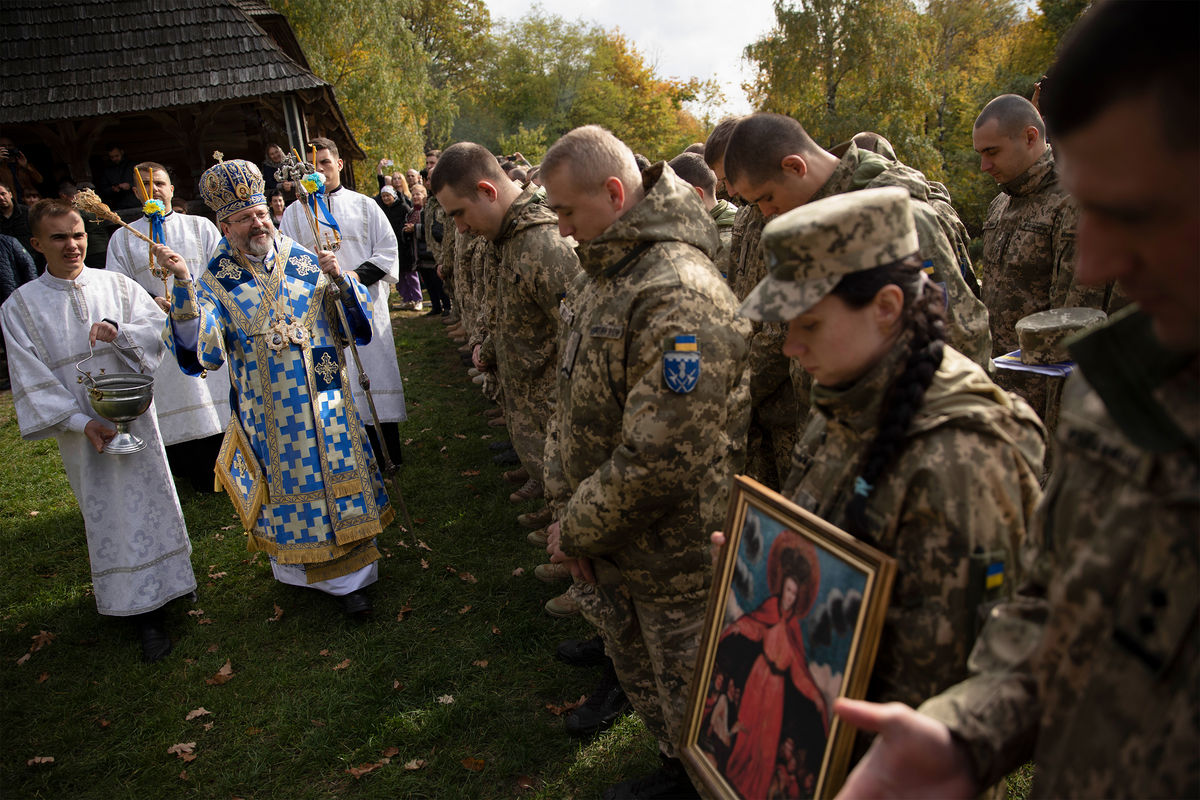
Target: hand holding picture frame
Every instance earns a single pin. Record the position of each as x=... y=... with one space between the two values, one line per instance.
x=793 y=622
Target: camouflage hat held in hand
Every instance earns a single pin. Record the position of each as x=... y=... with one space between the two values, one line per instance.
x=810 y=248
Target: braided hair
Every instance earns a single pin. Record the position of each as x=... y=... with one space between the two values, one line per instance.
x=924 y=318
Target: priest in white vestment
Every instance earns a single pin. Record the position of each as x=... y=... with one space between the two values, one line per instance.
x=192 y=411
x=137 y=543
x=370 y=251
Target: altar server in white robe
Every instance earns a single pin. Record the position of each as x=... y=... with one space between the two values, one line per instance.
x=137 y=543
x=369 y=250
x=192 y=411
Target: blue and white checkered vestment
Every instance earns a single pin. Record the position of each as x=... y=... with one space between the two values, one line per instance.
x=325 y=496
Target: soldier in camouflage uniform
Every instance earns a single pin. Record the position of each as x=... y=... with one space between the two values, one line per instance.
x=910 y=447
x=1028 y=238
x=692 y=169
x=778 y=394
x=773 y=162
x=527 y=265
x=1093 y=670
x=650 y=424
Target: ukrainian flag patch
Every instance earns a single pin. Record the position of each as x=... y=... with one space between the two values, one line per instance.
x=995 y=575
x=681 y=363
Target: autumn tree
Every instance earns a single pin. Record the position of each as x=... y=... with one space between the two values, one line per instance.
x=367 y=53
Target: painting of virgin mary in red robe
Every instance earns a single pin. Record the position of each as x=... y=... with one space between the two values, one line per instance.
x=779 y=699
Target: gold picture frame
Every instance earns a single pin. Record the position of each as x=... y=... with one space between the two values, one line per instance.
x=793 y=622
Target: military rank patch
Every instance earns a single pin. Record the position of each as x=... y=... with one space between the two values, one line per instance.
x=681 y=363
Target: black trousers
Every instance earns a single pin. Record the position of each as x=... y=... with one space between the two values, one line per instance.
x=437 y=292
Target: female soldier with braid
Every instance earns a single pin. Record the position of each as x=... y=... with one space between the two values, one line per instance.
x=911 y=449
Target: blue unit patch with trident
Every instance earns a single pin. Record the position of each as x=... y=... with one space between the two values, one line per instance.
x=681 y=364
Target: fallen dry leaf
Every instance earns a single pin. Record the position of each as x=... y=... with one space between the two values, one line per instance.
x=388 y=752
x=183 y=776
x=45 y=676
x=407 y=442
x=558 y=711
x=365 y=769
x=212 y=648
x=451 y=570
x=216 y=575
x=199 y=712
x=424 y=546
x=253 y=731
x=323 y=653
x=415 y=764
x=467 y=577
x=446 y=699
x=317 y=723
x=208 y=726
x=341 y=665
x=473 y=764
x=226 y=527
x=36 y=760
x=460 y=436
x=223 y=675
x=196 y=612
x=183 y=750
x=424 y=564
x=480 y=663
x=40 y=640
x=495 y=631
x=525 y=782
x=464 y=609
x=403 y=544
x=205 y=621
x=24 y=658
x=278 y=614
x=469 y=473
x=404 y=611
x=518 y=572
x=34 y=513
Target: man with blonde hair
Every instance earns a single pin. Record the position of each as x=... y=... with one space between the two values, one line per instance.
x=649 y=428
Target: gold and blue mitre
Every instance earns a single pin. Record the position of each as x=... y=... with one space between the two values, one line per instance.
x=229 y=186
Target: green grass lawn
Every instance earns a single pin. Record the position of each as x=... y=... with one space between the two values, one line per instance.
x=449 y=684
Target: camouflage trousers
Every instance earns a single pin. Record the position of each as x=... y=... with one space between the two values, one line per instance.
x=527 y=409
x=653 y=645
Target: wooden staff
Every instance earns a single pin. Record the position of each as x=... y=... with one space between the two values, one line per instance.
x=87 y=200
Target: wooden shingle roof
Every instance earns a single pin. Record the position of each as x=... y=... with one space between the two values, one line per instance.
x=72 y=60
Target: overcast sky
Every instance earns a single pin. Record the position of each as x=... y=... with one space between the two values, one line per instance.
x=681 y=38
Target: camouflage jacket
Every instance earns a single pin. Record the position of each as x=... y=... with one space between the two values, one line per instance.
x=723 y=213
x=966 y=317
x=434 y=215
x=532 y=266
x=1029 y=253
x=475 y=269
x=965 y=484
x=1094 y=668
x=640 y=470
x=769 y=367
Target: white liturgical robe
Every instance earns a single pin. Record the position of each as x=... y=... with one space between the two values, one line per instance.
x=188 y=407
x=366 y=236
x=139 y=548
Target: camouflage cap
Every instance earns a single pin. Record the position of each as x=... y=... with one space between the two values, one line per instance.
x=810 y=248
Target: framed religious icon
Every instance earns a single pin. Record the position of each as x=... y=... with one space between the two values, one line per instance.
x=793 y=622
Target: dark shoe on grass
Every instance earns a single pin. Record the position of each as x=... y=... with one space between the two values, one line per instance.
x=506 y=458
x=356 y=605
x=500 y=447
x=582 y=652
x=156 y=643
x=603 y=707
x=668 y=782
